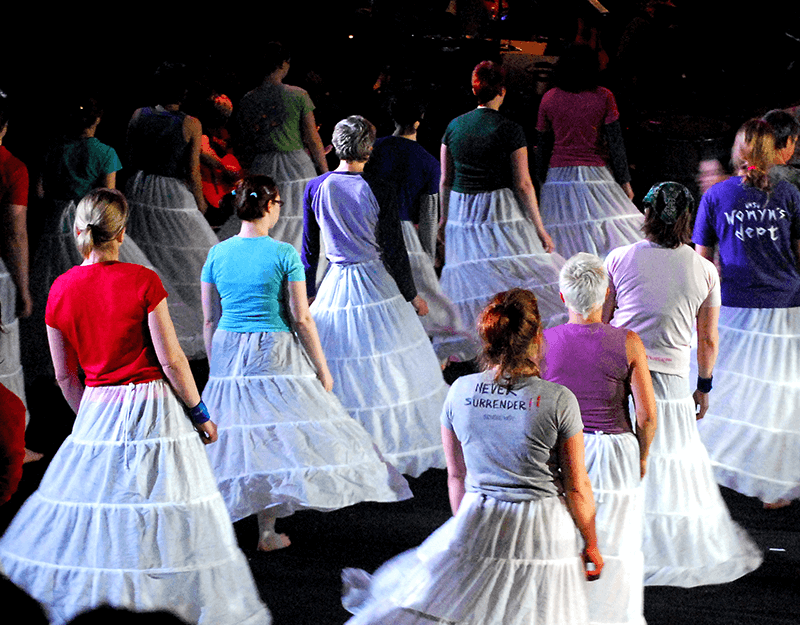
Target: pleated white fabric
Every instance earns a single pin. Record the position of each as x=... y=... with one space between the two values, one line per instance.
x=171 y=233
x=385 y=371
x=612 y=461
x=494 y=563
x=490 y=246
x=585 y=210
x=285 y=443
x=57 y=254
x=128 y=514
x=689 y=536
x=752 y=427
x=10 y=363
x=442 y=323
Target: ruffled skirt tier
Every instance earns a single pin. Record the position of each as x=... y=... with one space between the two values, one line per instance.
x=285 y=443
x=491 y=246
x=172 y=234
x=128 y=514
x=10 y=358
x=585 y=210
x=752 y=427
x=612 y=461
x=494 y=563
x=689 y=536
x=384 y=369
x=442 y=323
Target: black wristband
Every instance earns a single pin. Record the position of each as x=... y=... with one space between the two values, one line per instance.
x=704 y=384
x=199 y=414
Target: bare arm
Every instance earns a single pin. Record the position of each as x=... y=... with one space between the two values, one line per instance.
x=526 y=196
x=15 y=254
x=65 y=363
x=313 y=142
x=610 y=305
x=109 y=181
x=193 y=132
x=796 y=249
x=580 y=501
x=707 y=350
x=644 y=398
x=456 y=468
x=175 y=366
x=212 y=311
x=307 y=331
x=446 y=177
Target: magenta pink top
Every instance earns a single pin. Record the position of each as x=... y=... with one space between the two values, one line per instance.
x=576 y=121
x=591 y=361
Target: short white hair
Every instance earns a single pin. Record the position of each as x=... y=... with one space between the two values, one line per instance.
x=583 y=282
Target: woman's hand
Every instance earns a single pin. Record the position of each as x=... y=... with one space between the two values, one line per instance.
x=547 y=242
x=420 y=305
x=593 y=562
x=207 y=431
x=628 y=189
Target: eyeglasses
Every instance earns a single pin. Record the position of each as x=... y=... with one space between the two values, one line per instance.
x=280 y=203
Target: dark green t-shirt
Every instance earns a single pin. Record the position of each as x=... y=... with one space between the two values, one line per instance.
x=481 y=143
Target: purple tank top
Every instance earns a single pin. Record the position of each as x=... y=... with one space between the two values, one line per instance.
x=591 y=361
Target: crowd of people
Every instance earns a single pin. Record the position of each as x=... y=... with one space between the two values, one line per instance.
x=326 y=328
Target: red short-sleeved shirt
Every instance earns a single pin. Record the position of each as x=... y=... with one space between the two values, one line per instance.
x=13 y=179
x=577 y=120
x=102 y=311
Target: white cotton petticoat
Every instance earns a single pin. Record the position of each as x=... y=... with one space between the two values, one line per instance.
x=385 y=371
x=752 y=427
x=10 y=363
x=494 y=563
x=128 y=514
x=442 y=323
x=285 y=443
x=171 y=232
x=612 y=461
x=490 y=246
x=689 y=536
x=585 y=210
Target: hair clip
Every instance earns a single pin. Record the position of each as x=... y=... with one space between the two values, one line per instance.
x=233 y=192
x=253 y=194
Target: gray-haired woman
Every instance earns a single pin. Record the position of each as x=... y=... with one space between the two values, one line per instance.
x=603 y=365
x=387 y=374
x=659 y=287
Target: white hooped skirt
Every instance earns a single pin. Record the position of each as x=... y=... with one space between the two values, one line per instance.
x=689 y=536
x=490 y=246
x=10 y=363
x=442 y=323
x=585 y=210
x=57 y=254
x=752 y=427
x=128 y=514
x=494 y=563
x=285 y=443
x=612 y=461
x=385 y=371
x=171 y=232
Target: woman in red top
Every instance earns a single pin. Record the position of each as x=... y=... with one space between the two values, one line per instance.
x=128 y=514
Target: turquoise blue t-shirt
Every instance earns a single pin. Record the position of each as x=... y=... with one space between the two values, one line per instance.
x=250 y=274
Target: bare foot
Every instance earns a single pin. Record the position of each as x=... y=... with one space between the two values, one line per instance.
x=776 y=505
x=32 y=456
x=273 y=542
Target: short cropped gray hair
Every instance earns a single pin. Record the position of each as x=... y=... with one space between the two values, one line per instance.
x=583 y=282
x=353 y=138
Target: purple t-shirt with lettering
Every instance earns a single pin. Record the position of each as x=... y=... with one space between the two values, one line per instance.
x=754 y=231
